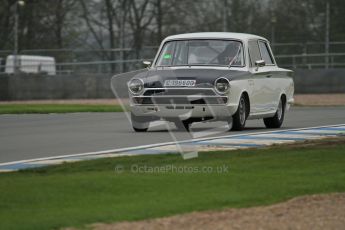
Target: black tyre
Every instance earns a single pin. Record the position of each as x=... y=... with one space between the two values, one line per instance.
x=277 y=120
x=139 y=124
x=240 y=117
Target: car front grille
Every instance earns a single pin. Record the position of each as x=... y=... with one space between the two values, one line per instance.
x=179 y=96
x=179 y=91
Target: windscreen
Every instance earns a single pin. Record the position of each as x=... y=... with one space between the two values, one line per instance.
x=201 y=52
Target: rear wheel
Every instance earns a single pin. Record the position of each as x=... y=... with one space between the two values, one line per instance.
x=240 y=117
x=277 y=120
x=139 y=124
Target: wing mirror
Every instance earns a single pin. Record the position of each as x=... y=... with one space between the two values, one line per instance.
x=259 y=63
x=147 y=64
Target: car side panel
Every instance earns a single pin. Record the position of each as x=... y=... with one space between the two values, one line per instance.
x=286 y=84
x=262 y=90
x=238 y=87
x=279 y=83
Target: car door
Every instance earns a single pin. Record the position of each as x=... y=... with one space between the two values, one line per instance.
x=261 y=90
x=272 y=78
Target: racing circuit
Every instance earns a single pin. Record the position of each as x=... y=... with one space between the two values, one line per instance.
x=26 y=137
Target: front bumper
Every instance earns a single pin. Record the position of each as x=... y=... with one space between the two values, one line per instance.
x=182 y=103
x=183 y=112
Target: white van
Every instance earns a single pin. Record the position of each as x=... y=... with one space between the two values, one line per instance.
x=31 y=64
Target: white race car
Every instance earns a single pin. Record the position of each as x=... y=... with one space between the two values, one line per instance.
x=211 y=76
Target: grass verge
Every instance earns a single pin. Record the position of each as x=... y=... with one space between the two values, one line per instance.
x=109 y=190
x=56 y=108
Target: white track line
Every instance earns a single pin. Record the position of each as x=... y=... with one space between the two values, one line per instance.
x=157 y=145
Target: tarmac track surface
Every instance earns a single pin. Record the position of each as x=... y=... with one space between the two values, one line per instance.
x=44 y=135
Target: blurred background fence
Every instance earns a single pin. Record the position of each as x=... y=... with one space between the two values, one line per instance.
x=309 y=55
x=114 y=36
x=70 y=48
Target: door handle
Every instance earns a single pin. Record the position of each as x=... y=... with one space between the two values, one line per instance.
x=268 y=76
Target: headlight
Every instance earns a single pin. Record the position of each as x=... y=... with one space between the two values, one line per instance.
x=222 y=85
x=136 y=86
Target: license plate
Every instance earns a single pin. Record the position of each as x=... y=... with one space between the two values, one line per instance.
x=179 y=83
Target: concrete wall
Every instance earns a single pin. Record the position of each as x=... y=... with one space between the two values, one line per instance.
x=32 y=86
x=319 y=81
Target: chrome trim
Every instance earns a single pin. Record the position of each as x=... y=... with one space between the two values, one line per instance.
x=181 y=88
x=210 y=88
x=188 y=100
x=183 y=96
x=191 y=96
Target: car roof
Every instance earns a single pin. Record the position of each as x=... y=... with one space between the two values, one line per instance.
x=218 y=35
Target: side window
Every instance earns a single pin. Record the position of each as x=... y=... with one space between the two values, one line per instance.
x=254 y=52
x=265 y=53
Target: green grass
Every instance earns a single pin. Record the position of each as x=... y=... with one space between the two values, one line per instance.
x=78 y=194
x=56 y=108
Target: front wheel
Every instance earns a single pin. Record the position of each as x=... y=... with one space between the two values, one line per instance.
x=139 y=124
x=277 y=120
x=240 y=117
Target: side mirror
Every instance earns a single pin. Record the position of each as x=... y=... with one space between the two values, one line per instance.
x=259 y=63
x=147 y=64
